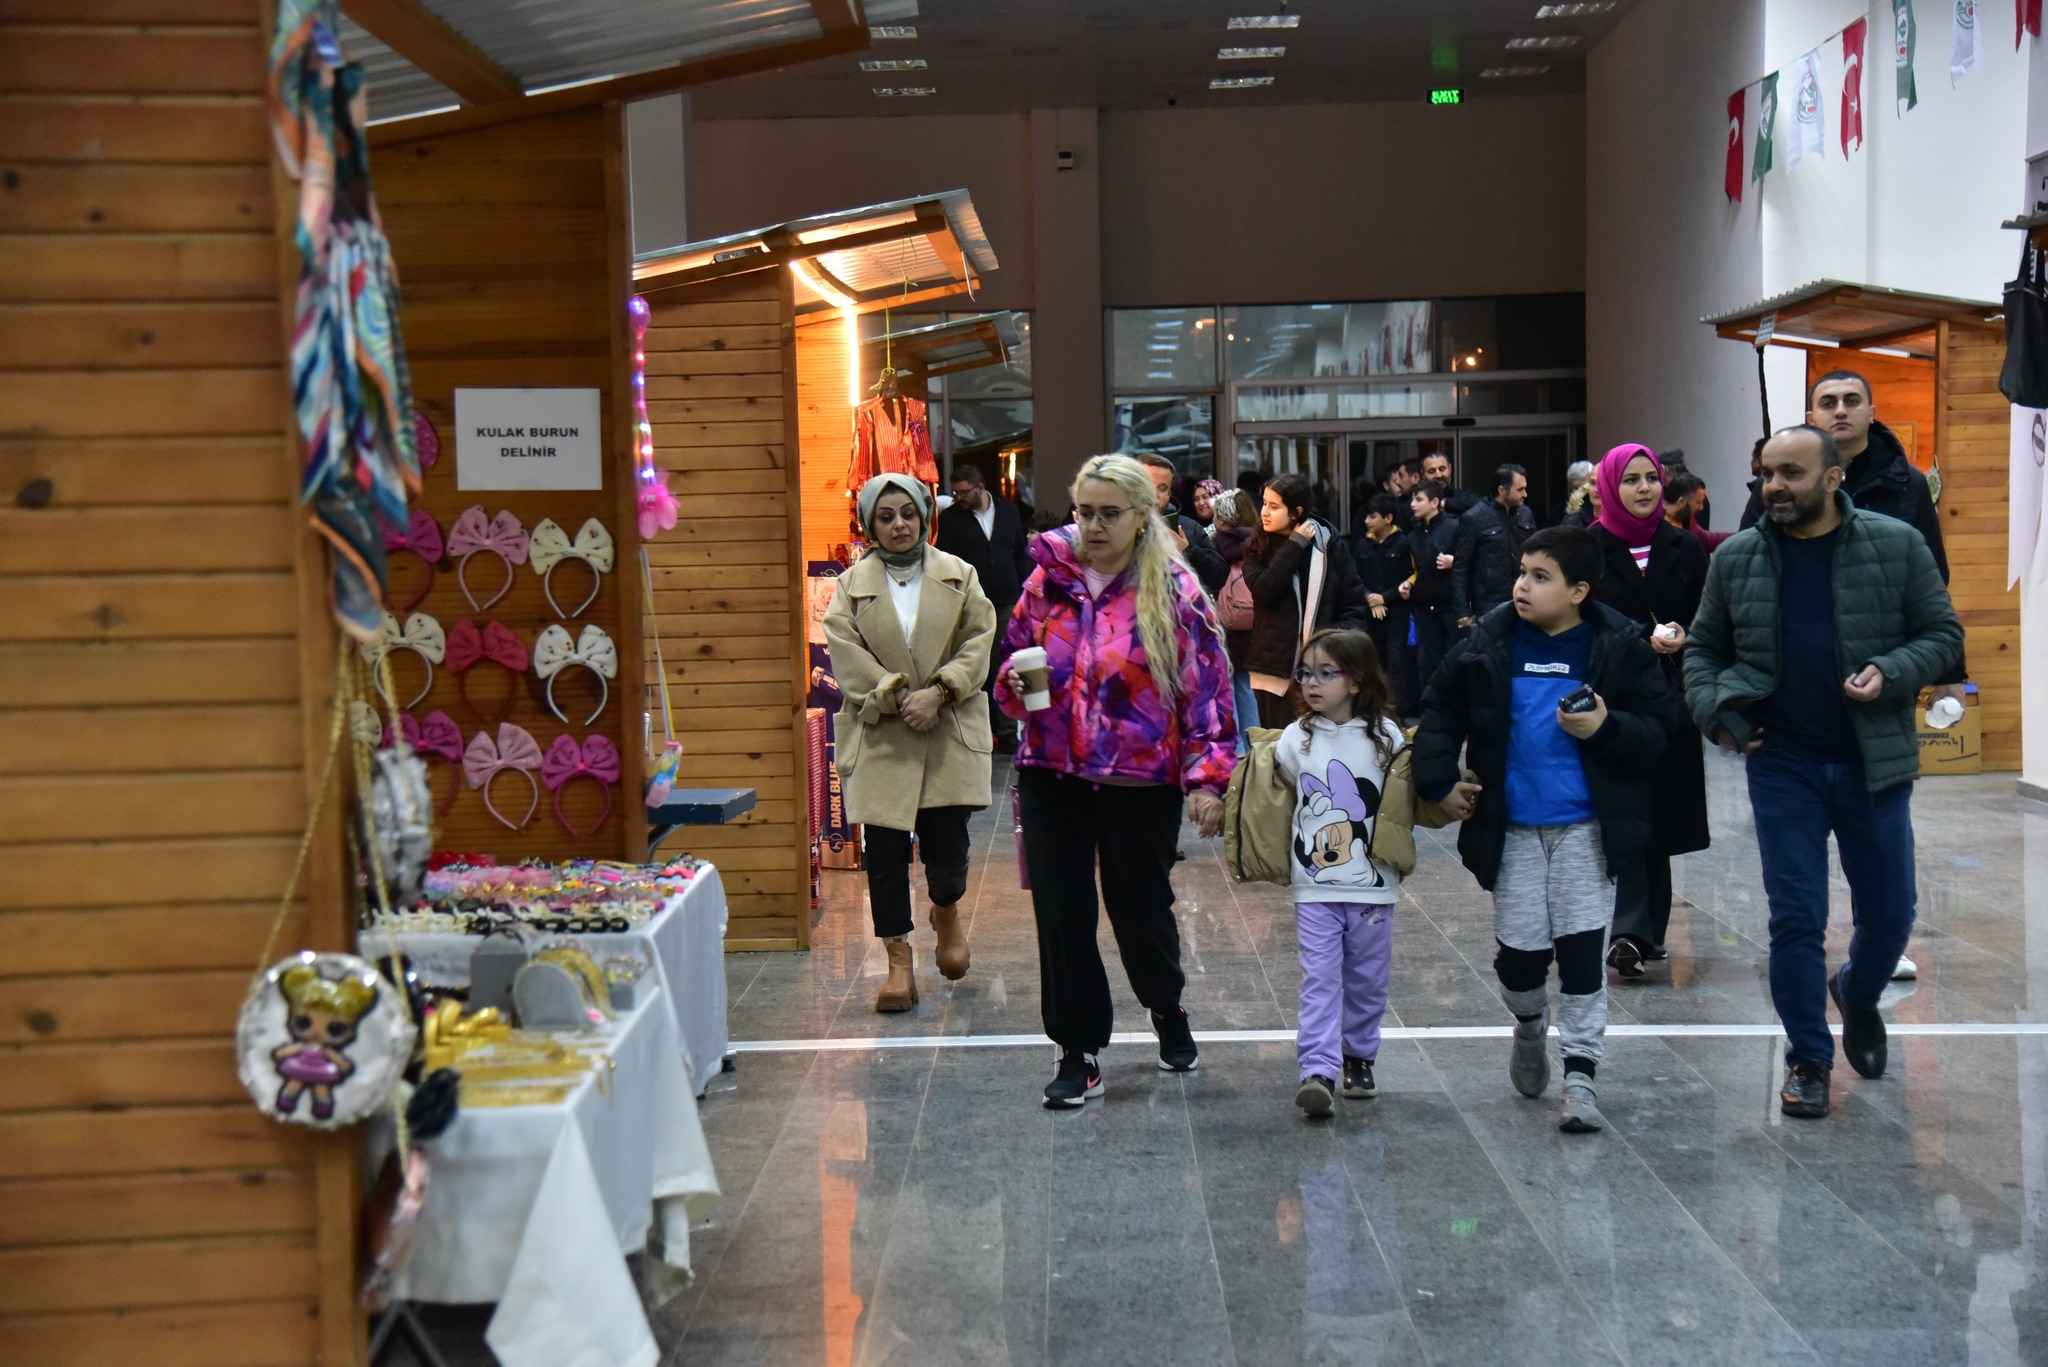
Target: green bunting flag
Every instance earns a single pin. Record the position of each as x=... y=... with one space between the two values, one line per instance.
x=1766 y=119
x=1905 y=35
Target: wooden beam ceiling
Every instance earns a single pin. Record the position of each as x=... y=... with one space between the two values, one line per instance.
x=420 y=36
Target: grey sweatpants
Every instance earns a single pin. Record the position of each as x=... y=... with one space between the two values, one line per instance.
x=1553 y=883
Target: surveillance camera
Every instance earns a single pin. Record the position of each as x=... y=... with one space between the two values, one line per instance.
x=1064 y=161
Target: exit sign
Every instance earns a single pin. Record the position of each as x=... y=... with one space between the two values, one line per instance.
x=1452 y=96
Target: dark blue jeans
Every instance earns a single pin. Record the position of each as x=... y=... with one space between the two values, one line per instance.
x=1797 y=802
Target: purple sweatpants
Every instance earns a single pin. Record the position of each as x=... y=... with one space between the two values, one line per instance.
x=1347 y=954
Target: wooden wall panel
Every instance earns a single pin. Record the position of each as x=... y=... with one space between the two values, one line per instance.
x=164 y=657
x=825 y=435
x=1974 y=439
x=727 y=582
x=511 y=244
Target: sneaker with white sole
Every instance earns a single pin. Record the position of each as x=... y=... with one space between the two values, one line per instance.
x=1906 y=971
x=1177 y=1053
x=1529 y=1063
x=1079 y=1078
x=1581 y=1111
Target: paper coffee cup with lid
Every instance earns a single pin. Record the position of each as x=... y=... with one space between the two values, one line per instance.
x=1031 y=667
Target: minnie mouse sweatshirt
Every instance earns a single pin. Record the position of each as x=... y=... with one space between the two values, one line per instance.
x=1338 y=778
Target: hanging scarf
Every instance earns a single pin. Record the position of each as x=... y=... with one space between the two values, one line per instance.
x=920 y=498
x=1632 y=531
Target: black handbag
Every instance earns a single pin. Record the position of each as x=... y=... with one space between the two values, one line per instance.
x=2024 y=380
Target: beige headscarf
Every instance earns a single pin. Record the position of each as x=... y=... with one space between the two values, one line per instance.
x=920 y=498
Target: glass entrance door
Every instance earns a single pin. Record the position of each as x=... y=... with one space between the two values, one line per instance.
x=1545 y=454
x=1318 y=458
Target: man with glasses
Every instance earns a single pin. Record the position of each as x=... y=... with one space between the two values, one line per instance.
x=1188 y=537
x=988 y=533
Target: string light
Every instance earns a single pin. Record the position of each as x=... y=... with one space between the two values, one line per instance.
x=657 y=503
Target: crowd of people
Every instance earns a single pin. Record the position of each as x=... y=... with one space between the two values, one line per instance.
x=1551 y=691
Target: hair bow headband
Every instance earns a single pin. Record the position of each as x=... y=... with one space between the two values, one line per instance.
x=551 y=546
x=596 y=758
x=485 y=759
x=468 y=646
x=437 y=735
x=422 y=536
x=422 y=635
x=502 y=536
x=593 y=650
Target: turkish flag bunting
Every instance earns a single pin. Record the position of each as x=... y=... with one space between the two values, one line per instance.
x=1852 y=83
x=2026 y=18
x=1731 y=180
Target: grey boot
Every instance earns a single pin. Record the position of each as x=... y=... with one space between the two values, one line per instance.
x=1581 y=1113
x=1529 y=1062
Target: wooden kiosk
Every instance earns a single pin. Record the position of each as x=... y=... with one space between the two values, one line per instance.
x=750 y=396
x=1933 y=366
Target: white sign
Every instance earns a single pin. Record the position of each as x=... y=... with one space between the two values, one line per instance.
x=528 y=439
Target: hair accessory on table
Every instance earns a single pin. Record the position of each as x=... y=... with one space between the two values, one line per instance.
x=595 y=758
x=593 y=650
x=422 y=635
x=503 y=536
x=422 y=536
x=436 y=735
x=551 y=546
x=485 y=759
x=468 y=647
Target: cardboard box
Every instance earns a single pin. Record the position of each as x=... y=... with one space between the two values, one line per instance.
x=1958 y=749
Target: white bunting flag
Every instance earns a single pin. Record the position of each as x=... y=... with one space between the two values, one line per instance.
x=1809 y=119
x=1966 y=43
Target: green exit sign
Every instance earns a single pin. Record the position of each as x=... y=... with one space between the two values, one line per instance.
x=1450 y=96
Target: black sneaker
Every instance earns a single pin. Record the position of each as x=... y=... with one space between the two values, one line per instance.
x=1079 y=1078
x=1314 y=1095
x=1805 y=1093
x=1358 y=1083
x=1863 y=1037
x=1176 y=1041
x=1625 y=958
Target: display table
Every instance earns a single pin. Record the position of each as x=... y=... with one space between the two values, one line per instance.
x=685 y=940
x=533 y=1207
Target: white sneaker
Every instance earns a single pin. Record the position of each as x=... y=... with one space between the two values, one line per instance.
x=1906 y=972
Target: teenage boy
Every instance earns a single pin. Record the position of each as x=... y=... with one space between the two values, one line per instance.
x=1562 y=710
x=1384 y=565
x=1433 y=593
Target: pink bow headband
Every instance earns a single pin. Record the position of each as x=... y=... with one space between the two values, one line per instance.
x=503 y=536
x=596 y=758
x=485 y=759
x=422 y=536
x=436 y=735
x=469 y=647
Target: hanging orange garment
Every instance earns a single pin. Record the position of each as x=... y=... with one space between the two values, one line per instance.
x=884 y=444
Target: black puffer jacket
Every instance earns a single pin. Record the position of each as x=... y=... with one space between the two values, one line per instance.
x=1468 y=705
x=1489 y=556
x=1281 y=587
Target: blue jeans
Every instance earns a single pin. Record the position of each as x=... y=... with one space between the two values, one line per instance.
x=1246 y=706
x=1797 y=802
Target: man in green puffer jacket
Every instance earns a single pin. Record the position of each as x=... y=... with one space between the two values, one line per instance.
x=1818 y=629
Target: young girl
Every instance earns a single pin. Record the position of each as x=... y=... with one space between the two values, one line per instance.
x=1337 y=756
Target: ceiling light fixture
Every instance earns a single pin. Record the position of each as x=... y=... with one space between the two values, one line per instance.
x=895 y=64
x=885 y=32
x=1245 y=21
x=1494 y=73
x=1553 y=41
x=1244 y=54
x=1574 y=11
x=1238 y=82
x=906 y=90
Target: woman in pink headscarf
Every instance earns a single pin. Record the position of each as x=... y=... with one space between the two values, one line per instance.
x=1654 y=573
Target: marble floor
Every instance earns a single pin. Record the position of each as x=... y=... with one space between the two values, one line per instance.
x=914 y=1205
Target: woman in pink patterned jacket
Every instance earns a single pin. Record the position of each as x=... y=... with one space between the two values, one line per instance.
x=1140 y=716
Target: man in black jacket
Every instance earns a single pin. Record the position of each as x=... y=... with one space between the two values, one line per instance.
x=1188 y=536
x=1490 y=537
x=1436 y=468
x=988 y=533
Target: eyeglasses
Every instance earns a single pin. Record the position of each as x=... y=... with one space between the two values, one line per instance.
x=1099 y=517
x=1326 y=674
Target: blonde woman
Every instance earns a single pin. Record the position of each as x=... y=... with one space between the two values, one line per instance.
x=910 y=630
x=1140 y=718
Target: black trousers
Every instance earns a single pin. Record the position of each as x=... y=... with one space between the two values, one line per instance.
x=1436 y=631
x=1001 y=723
x=1642 y=900
x=942 y=846
x=1070 y=823
x=1390 y=639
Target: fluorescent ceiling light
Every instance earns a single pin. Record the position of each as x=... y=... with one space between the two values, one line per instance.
x=1553 y=41
x=1574 y=11
x=1244 y=21
x=1497 y=72
x=909 y=90
x=883 y=32
x=1238 y=82
x=1242 y=54
x=895 y=64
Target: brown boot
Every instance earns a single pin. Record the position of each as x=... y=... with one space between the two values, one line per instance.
x=899 y=993
x=952 y=952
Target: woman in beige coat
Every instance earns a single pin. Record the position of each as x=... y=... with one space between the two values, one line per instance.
x=910 y=631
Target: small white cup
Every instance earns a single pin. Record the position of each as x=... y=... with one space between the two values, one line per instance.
x=1945 y=713
x=1031 y=667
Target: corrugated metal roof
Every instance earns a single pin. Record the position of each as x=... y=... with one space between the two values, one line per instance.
x=1817 y=288
x=546 y=43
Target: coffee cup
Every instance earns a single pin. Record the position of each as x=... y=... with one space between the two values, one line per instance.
x=1945 y=713
x=1031 y=668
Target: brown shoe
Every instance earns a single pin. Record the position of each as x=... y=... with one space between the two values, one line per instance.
x=952 y=952
x=899 y=993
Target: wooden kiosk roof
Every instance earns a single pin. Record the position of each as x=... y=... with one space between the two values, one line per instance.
x=1836 y=313
x=957 y=345
x=881 y=256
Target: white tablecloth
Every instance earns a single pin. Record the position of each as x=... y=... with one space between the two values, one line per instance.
x=685 y=939
x=533 y=1207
